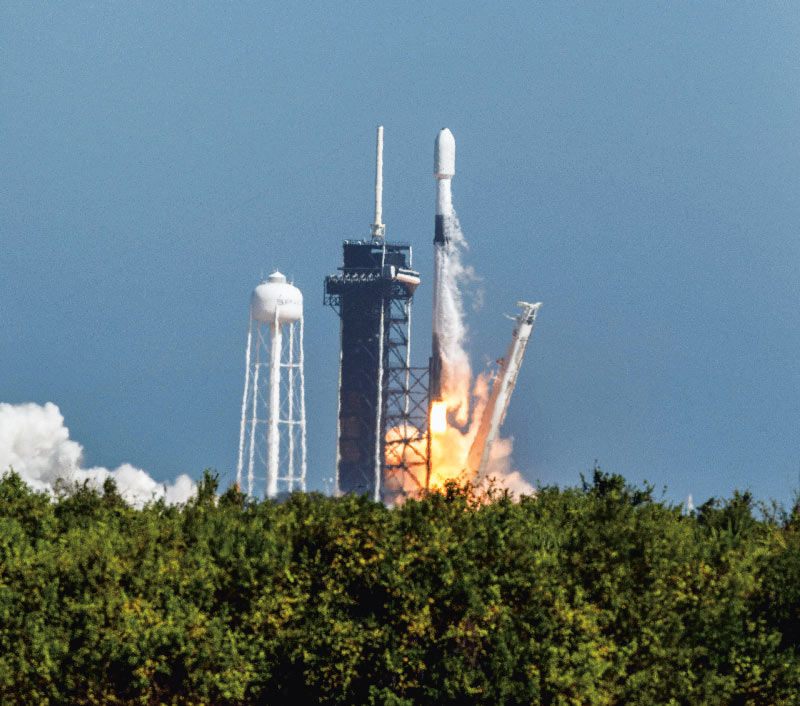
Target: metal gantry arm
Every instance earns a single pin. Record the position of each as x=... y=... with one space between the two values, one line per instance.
x=502 y=387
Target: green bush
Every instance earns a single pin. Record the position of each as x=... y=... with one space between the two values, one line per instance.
x=590 y=595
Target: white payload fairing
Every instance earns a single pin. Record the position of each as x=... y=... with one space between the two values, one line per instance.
x=444 y=168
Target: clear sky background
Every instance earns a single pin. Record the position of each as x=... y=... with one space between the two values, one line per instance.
x=635 y=166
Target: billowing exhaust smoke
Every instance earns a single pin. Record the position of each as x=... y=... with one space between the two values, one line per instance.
x=36 y=444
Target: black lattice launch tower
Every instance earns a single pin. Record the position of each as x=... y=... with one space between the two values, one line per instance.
x=383 y=401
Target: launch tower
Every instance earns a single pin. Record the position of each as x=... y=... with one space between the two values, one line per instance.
x=383 y=401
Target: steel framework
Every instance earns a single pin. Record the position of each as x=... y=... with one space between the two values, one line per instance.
x=382 y=422
x=274 y=393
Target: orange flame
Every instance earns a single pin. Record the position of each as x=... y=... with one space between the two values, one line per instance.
x=450 y=441
x=450 y=445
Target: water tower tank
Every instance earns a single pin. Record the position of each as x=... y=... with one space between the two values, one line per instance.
x=276 y=294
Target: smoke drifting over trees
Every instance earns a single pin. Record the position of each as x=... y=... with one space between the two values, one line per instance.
x=35 y=442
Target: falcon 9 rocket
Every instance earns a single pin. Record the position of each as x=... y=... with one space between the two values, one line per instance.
x=444 y=167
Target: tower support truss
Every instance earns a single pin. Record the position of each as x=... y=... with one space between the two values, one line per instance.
x=382 y=422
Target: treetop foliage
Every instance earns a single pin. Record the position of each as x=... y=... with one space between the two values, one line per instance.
x=593 y=595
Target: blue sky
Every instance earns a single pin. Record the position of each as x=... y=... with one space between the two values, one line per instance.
x=635 y=166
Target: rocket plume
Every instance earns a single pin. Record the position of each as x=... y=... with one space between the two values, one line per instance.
x=451 y=444
x=36 y=444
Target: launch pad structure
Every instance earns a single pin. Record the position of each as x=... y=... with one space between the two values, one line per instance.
x=383 y=401
x=386 y=406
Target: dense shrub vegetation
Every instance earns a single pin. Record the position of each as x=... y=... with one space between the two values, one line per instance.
x=593 y=595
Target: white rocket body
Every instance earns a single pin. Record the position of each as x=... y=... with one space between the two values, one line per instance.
x=444 y=168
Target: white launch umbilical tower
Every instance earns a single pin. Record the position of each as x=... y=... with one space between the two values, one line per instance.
x=272 y=436
x=502 y=386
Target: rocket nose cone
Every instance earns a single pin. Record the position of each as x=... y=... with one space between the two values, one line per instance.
x=444 y=155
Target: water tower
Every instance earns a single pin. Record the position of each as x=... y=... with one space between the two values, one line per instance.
x=272 y=436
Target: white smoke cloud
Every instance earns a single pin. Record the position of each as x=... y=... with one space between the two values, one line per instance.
x=36 y=444
x=465 y=398
x=500 y=472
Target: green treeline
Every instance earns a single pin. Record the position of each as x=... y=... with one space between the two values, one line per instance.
x=591 y=595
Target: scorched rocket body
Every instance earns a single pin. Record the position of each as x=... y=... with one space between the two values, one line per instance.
x=444 y=168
